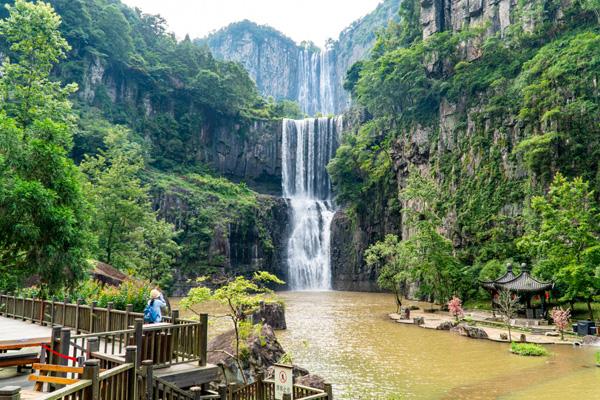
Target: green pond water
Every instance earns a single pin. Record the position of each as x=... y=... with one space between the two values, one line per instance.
x=348 y=338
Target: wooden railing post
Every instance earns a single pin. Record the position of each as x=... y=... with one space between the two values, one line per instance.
x=91 y=370
x=93 y=346
x=109 y=307
x=32 y=309
x=230 y=390
x=329 y=391
x=174 y=316
x=77 y=306
x=54 y=344
x=149 y=387
x=139 y=332
x=196 y=392
x=128 y=311
x=131 y=357
x=23 y=307
x=65 y=344
x=64 y=312
x=52 y=311
x=222 y=390
x=203 y=338
x=260 y=387
x=10 y=393
x=92 y=316
x=42 y=312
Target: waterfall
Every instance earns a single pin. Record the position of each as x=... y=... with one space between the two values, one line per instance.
x=316 y=81
x=307 y=147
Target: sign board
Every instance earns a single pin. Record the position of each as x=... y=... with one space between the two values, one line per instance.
x=284 y=381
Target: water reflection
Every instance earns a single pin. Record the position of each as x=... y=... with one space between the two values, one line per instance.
x=347 y=338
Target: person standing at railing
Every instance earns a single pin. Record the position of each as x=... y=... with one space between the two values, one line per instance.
x=153 y=311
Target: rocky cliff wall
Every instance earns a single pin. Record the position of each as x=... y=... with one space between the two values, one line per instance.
x=467 y=148
x=284 y=70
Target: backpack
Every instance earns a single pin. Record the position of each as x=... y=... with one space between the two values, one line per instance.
x=150 y=314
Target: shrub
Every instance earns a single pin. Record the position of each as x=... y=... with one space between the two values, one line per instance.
x=528 y=349
x=598 y=357
x=129 y=292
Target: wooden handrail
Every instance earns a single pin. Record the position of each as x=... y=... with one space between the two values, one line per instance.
x=115 y=371
x=67 y=390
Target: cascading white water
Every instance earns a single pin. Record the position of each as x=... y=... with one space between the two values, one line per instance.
x=315 y=80
x=307 y=147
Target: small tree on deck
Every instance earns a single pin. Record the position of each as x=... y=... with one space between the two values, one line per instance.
x=241 y=297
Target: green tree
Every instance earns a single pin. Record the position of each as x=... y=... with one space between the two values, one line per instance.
x=36 y=46
x=43 y=213
x=392 y=260
x=130 y=236
x=425 y=256
x=563 y=239
x=241 y=296
x=431 y=253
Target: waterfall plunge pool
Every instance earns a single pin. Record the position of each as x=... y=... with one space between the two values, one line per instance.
x=347 y=338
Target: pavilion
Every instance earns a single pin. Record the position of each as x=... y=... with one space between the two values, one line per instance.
x=523 y=285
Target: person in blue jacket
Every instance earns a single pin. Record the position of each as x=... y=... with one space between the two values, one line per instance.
x=153 y=311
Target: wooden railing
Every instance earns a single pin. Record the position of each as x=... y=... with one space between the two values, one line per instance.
x=164 y=344
x=265 y=390
x=78 y=316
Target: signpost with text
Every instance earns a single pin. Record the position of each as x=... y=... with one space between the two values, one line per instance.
x=284 y=381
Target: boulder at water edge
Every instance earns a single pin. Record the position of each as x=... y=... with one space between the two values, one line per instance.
x=261 y=352
x=470 y=331
x=272 y=314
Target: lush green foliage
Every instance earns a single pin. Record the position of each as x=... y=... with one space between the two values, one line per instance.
x=426 y=256
x=493 y=117
x=241 y=296
x=214 y=206
x=130 y=237
x=43 y=213
x=528 y=349
x=134 y=292
x=563 y=238
x=137 y=74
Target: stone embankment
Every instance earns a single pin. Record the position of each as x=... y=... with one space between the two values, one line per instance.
x=480 y=325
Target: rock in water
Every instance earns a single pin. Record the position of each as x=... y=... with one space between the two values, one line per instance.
x=272 y=314
x=261 y=351
x=445 y=326
x=470 y=331
x=310 y=380
x=590 y=340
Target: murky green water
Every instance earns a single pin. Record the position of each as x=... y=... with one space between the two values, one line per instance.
x=347 y=338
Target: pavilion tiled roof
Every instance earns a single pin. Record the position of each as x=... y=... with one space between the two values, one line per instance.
x=508 y=276
x=524 y=282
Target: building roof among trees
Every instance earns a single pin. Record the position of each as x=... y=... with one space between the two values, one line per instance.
x=523 y=282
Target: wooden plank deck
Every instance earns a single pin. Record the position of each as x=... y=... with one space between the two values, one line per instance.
x=14 y=329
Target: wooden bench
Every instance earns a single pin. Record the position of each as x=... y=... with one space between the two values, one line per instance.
x=43 y=376
x=18 y=359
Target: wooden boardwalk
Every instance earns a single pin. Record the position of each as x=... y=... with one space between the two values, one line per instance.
x=13 y=329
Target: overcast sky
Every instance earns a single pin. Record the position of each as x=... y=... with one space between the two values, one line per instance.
x=315 y=20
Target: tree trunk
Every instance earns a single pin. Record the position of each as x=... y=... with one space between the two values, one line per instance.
x=590 y=310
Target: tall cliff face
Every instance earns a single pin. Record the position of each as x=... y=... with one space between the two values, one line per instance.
x=475 y=145
x=270 y=57
x=304 y=73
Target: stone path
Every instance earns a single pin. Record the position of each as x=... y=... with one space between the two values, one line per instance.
x=433 y=320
